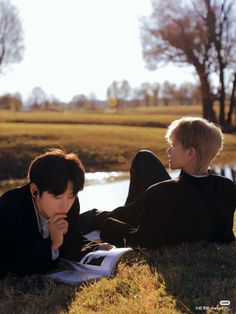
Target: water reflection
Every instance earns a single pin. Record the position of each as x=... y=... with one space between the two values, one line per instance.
x=106 y=190
x=95 y=178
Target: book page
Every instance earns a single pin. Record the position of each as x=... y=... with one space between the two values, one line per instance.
x=79 y=267
x=72 y=276
x=103 y=261
x=93 y=265
x=93 y=236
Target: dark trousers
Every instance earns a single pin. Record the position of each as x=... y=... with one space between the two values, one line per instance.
x=146 y=170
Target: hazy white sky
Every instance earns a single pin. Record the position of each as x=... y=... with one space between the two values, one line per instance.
x=81 y=46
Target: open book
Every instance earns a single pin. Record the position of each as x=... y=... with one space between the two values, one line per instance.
x=93 y=265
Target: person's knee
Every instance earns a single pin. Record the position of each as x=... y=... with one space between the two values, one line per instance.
x=143 y=156
x=114 y=231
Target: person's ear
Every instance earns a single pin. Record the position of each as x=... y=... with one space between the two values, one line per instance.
x=34 y=190
x=192 y=153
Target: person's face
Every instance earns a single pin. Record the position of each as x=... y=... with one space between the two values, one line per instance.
x=177 y=155
x=50 y=205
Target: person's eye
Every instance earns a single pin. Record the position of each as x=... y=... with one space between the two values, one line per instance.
x=58 y=197
x=71 y=196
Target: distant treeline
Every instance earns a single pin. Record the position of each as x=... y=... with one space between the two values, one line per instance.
x=120 y=94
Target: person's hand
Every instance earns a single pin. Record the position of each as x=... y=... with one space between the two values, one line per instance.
x=58 y=227
x=105 y=246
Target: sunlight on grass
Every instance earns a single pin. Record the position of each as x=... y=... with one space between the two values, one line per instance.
x=173 y=279
x=169 y=280
x=100 y=147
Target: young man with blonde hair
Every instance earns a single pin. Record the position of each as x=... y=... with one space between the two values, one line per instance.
x=196 y=206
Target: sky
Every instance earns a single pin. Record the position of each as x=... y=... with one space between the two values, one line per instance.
x=80 y=46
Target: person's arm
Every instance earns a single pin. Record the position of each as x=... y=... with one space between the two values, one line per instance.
x=23 y=251
x=155 y=221
x=37 y=259
x=75 y=245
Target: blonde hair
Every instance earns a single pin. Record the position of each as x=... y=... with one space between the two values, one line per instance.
x=206 y=137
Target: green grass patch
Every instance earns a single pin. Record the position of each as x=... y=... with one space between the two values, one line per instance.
x=100 y=147
x=172 y=280
x=143 y=116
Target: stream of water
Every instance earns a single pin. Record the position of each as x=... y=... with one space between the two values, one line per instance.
x=105 y=190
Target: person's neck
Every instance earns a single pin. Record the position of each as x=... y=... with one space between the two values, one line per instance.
x=192 y=171
x=37 y=208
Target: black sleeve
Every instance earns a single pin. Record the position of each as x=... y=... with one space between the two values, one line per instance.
x=131 y=213
x=154 y=222
x=75 y=245
x=235 y=195
x=21 y=252
x=37 y=259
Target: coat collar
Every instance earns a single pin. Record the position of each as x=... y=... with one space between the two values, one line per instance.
x=28 y=211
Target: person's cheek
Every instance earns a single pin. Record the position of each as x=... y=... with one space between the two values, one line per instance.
x=70 y=204
x=54 y=207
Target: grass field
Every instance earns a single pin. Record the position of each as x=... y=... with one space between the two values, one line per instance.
x=101 y=145
x=179 y=279
x=148 y=116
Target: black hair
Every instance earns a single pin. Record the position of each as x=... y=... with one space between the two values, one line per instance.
x=53 y=170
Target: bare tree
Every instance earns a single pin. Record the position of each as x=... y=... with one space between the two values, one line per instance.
x=198 y=34
x=11 y=102
x=221 y=29
x=184 y=93
x=232 y=105
x=155 y=90
x=11 y=35
x=168 y=92
x=120 y=92
x=146 y=92
x=37 y=98
x=78 y=101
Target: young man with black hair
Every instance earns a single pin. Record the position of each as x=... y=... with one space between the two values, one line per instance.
x=40 y=221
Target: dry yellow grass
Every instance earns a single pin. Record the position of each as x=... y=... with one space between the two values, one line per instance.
x=101 y=147
x=183 y=279
x=177 y=279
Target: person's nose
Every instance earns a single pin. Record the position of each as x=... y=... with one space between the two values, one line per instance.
x=168 y=150
x=64 y=204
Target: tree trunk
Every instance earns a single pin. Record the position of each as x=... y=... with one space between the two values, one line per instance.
x=232 y=103
x=207 y=101
x=222 y=95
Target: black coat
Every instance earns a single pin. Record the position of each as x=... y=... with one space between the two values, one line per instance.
x=174 y=211
x=23 y=250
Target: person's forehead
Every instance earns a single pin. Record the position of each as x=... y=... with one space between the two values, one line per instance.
x=70 y=185
x=174 y=137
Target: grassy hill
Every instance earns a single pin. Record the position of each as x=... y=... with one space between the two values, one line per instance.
x=191 y=278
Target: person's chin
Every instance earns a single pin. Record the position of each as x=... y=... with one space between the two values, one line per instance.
x=172 y=167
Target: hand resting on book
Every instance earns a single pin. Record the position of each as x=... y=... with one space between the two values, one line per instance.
x=105 y=246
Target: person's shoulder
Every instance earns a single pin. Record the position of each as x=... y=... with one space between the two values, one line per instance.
x=222 y=180
x=163 y=185
x=14 y=194
x=226 y=185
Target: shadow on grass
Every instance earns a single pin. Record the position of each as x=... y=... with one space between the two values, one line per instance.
x=198 y=275
x=34 y=294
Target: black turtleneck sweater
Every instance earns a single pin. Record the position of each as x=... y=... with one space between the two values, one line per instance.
x=173 y=211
